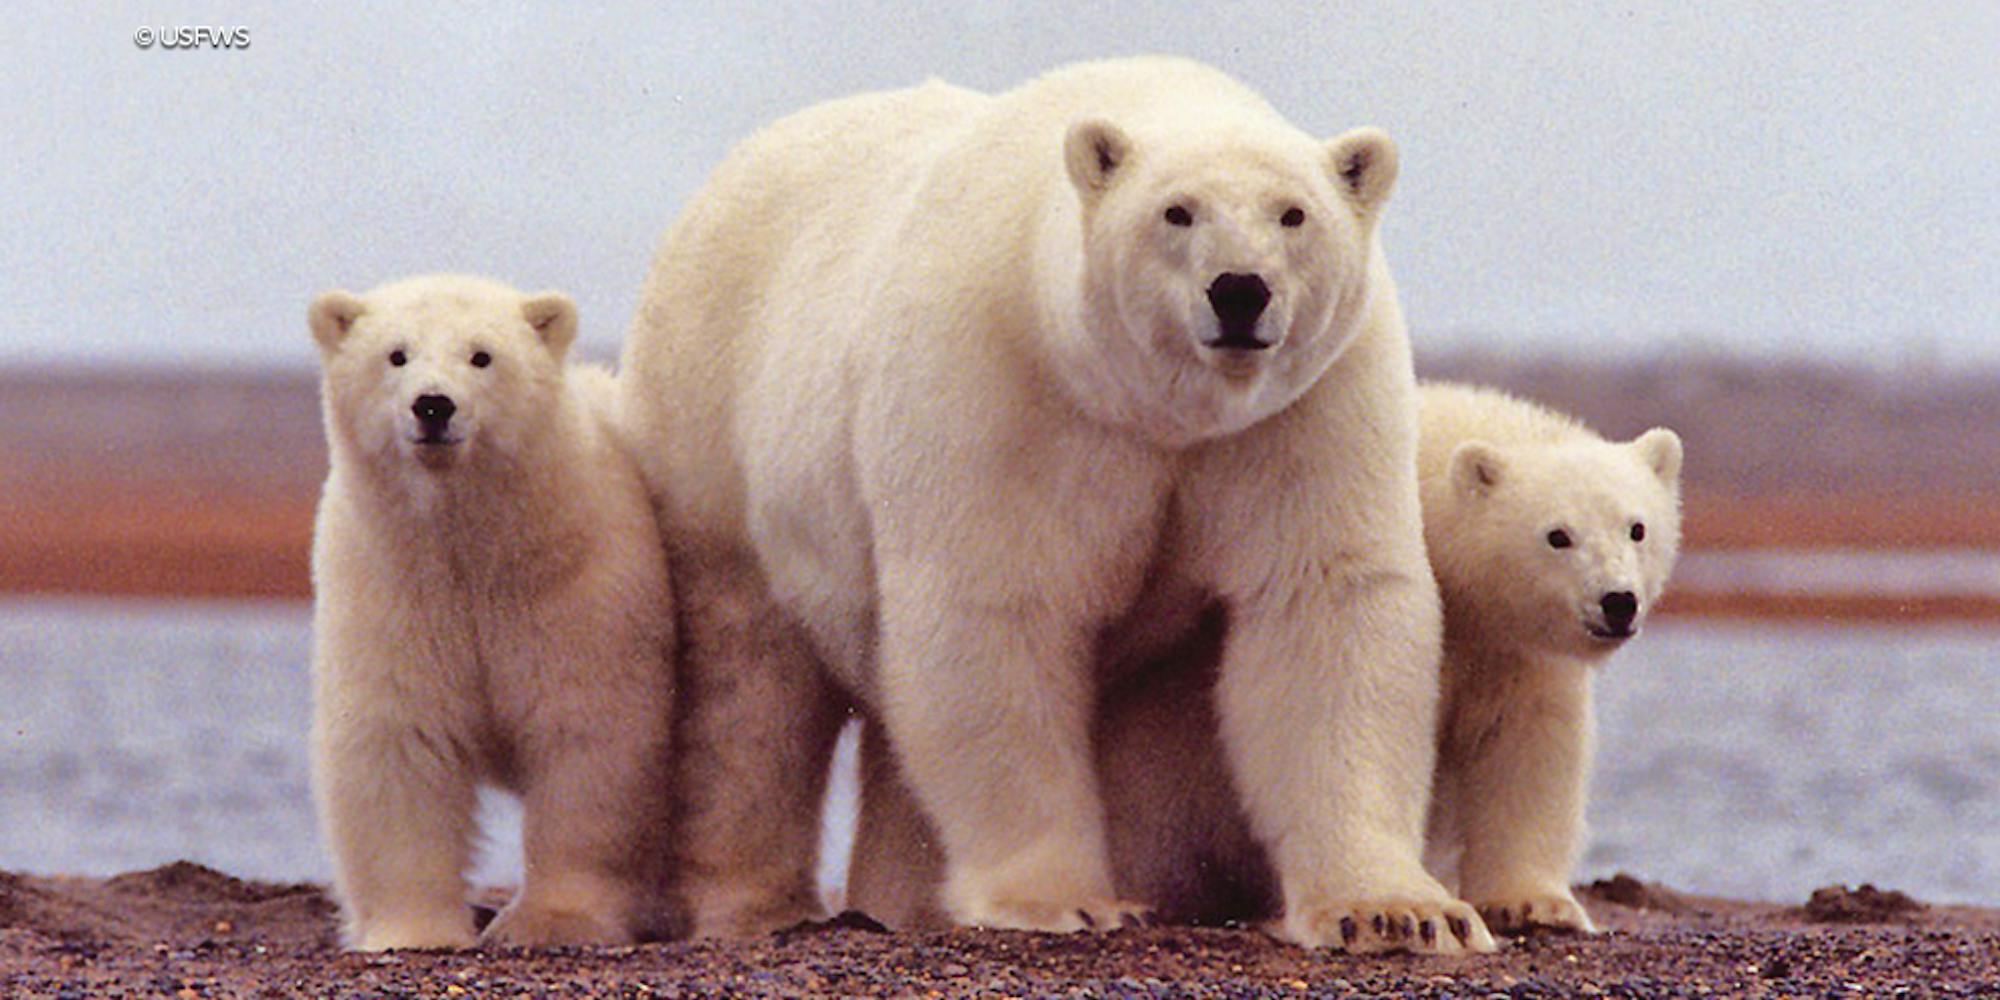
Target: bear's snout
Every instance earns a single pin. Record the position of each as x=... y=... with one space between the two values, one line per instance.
x=433 y=413
x=1620 y=607
x=1238 y=300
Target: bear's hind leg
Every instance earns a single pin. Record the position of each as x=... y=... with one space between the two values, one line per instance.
x=752 y=747
x=897 y=865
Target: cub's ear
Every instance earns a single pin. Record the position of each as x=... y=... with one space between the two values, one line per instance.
x=1095 y=151
x=1477 y=468
x=553 y=316
x=332 y=317
x=1660 y=449
x=1362 y=164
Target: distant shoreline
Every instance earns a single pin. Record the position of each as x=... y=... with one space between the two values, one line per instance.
x=110 y=541
x=193 y=483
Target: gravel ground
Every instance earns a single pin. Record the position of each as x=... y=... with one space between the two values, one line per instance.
x=185 y=931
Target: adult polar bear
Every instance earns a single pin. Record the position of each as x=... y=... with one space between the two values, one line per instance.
x=956 y=404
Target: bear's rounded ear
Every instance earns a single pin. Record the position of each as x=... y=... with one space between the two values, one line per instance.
x=332 y=317
x=553 y=316
x=1477 y=468
x=1660 y=449
x=1095 y=151
x=1362 y=164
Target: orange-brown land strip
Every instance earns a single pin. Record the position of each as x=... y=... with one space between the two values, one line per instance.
x=125 y=539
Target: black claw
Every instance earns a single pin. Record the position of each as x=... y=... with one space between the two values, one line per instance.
x=1381 y=925
x=1348 y=930
x=1406 y=928
x=1084 y=915
x=1430 y=932
x=1460 y=927
x=1131 y=920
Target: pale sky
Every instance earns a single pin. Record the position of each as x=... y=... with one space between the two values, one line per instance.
x=1578 y=178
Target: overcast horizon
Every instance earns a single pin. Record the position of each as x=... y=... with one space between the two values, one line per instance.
x=1736 y=178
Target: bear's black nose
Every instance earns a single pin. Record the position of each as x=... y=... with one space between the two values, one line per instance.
x=433 y=410
x=1620 y=607
x=1238 y=299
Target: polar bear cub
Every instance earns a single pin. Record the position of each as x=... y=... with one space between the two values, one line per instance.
x=490 y=607
x=956 y=403
x=1550 y=546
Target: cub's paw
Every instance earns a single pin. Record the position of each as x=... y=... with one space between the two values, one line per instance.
x=1420 y=927
x=543 y=927
x=1061 y=917
x=1519 y=913
x=438 y=932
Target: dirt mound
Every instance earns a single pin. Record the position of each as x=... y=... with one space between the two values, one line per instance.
x=179 y=905
x=18 y=901
x=57 y=908
x=185 y=881
x=1837 y=904
x=1627 y=890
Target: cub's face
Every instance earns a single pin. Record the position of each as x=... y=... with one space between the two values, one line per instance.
x=435 y=373
x=1234 y=265
x=1569 y=547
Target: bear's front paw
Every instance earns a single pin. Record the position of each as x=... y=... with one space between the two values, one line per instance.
x=1056 y=916
x=1521 y=912
x=1418 y=926
x=532 y=926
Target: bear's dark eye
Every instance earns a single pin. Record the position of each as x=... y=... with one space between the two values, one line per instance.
x=1293 y=218
x=1638 y=531
x=1559 y=539
x=481 y=359
x=1178 y=216
x=398 y=358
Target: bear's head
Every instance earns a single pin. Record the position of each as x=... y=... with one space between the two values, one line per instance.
x=1235 y=258
x=438 y=370
x=1564 y=547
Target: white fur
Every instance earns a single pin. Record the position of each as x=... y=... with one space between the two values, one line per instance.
x=1524 y=625
x=490 y=610
x=924 y=381
x=1498 y=475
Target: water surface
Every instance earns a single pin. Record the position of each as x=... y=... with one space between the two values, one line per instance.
x=1754 y=760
